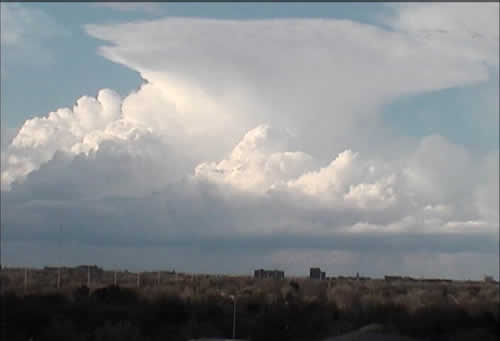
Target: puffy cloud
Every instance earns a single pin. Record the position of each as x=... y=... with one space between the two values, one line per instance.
x=378 y=195
x=258 y=162
x=63 y=130
x=350 y=195
x=185 y=159
x=410 y=195
x=208 y=88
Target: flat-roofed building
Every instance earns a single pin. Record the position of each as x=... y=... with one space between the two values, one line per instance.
x=273 y=274
x=316 y=273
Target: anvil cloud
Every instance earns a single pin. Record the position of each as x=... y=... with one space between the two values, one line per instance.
x=268 y=134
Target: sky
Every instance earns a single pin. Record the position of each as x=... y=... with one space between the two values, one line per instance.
x=227 y=137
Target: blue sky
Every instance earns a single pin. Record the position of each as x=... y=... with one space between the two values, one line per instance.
x=338 y=126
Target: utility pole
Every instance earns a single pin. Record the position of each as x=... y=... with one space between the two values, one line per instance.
x=159 y=277
x=138 y=279
x=114 y=279
x=88 y=276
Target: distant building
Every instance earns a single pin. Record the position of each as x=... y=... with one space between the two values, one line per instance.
x=410 y=279
x=316 y=273
x=272 y=274
x=489 y=279
x=435 y=280
x=393 y=278
x=93 y=268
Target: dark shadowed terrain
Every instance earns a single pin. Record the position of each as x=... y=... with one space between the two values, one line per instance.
x=173 y=306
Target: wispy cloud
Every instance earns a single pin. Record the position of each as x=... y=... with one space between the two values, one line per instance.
x=144 y=7
x=25 y=32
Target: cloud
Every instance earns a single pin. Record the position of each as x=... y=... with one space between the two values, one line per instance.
x=348 y=196
x=466 y=29
x=68 y=130
x=24 y=34
x=145 y=7
x=336 y=74
x=259 y=134
x=258 y=162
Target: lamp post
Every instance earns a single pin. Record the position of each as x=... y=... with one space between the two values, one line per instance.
x=234 y=316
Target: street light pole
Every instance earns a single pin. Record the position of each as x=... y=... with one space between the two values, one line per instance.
x=234 y=317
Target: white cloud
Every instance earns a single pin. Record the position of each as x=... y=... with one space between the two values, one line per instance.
x=462 y=31
x=378 y=195
x=333 y=178
x=258 y=162
x=64 y=130
x=325 y=78
x=323 y=169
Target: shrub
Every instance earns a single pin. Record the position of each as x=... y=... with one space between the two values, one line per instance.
x=123 y=331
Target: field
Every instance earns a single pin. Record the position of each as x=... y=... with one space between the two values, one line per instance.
x=173 y=306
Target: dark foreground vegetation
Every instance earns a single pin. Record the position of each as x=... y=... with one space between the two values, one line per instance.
x=116 y=313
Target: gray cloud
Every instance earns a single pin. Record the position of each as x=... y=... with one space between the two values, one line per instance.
x=88 y=195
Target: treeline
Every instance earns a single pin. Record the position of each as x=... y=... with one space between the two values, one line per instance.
x=114 y=313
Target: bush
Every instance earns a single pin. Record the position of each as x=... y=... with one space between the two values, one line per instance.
x=81 y=293
x=61 y=329
x=278 y=310
x=123 y=331
x=115 y=295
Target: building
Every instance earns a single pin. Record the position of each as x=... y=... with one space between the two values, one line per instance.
x=93 y=268
x=316 y=273
x=273 y=274
x=489 y=279
x=393 y=278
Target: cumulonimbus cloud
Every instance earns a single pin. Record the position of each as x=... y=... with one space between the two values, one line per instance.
x=256 y=128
